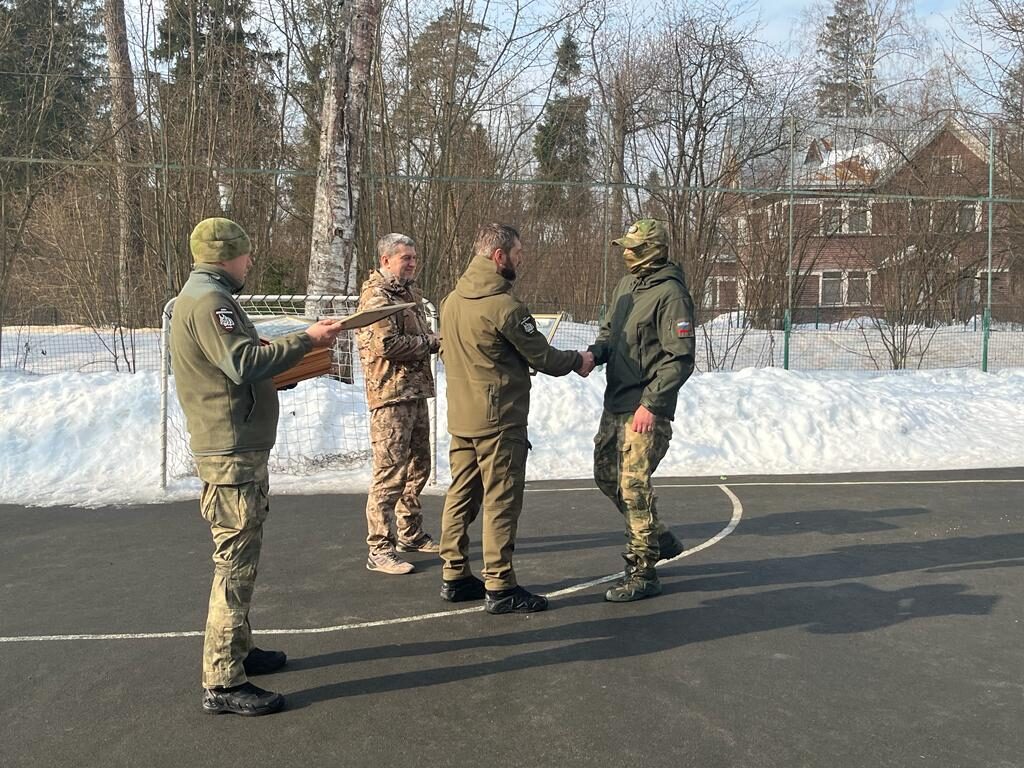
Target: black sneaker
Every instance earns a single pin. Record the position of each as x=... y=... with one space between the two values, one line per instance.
x=461 y=590
x=245 y=699
x=669 y=546
x=263 y=662
x=514 y=600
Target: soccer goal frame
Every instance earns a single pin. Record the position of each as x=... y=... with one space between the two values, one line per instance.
x=338 y=397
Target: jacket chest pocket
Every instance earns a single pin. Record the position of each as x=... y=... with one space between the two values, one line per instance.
x=645 y=339
x=493 y=403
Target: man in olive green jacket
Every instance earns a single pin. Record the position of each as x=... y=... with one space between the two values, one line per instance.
x=647 y=340
x=490 y=342
x=222 y=375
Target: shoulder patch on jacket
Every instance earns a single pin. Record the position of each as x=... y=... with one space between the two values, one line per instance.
x=227 y=322
x=528 y=324
x=683 y=328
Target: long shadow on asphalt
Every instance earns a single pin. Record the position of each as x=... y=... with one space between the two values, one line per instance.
x=859 y=561
x=836 y=609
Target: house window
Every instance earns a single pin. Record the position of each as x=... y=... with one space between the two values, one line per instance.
x=942 y=164
x=722 y=293
x=832 y=288
x=710 y=294
x=847 y=217
x=967 y=217
x=742 y=230
x=858 y=289
x=831 y=218
x=858 y=220
x=845 y=287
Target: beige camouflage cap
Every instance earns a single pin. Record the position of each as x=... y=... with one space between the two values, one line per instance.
x=644 y=232
x=216 y=240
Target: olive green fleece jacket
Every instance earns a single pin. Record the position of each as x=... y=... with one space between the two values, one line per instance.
x=647 y=340
x=221 y=371
x=489 y=342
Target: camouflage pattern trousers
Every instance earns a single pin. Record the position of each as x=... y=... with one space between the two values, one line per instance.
x=624 y=461
x=234 y=503
x=400 y=435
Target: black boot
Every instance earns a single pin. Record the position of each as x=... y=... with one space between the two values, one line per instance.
x=461 y=590
x=245 y=699
x=514 y=600
x=669 y=545
x=263 y=662
x=639 y=580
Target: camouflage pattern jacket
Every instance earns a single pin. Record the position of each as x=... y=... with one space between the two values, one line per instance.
x=490 y=343
x=395 y=352
x=647 y=340
x=221 y=371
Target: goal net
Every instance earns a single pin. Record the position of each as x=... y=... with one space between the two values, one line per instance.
x=324 y=423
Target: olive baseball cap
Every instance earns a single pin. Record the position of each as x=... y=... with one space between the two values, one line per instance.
x=644 y=232
x=216 y=240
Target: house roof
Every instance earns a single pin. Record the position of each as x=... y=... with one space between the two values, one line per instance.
x=874 y=162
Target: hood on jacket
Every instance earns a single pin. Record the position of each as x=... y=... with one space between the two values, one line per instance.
x=659 y=273
x=481 y=279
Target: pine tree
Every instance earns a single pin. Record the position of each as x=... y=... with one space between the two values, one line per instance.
x=847 y=86
x=562 y=143
x=50 y=59
x=443 y=61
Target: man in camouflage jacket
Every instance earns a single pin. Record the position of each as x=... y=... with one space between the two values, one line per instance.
x=396 y=357
x=647 y=340
x=222 y=374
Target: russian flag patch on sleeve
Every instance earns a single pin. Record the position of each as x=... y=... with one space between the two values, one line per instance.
x=683 y=328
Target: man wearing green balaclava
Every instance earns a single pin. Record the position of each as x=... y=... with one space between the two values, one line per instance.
x=647 y=341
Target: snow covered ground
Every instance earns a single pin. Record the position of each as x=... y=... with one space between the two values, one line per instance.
x=90 y=439
x=89 y=433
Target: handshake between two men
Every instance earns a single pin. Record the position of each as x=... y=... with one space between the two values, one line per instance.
x=587 y=364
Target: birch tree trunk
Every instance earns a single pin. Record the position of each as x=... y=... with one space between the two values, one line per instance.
x=332 y=262
x=332 y=258
x=124 y=126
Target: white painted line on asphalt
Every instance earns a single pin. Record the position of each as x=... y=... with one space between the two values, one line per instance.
x=766 y=483
x=737 y=515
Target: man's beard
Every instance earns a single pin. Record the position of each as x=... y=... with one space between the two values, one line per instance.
x=507 y=271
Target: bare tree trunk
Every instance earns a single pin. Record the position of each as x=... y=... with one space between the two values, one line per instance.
x=620 y=105
x=332 y=262
x=123 y=123
x=332 y=258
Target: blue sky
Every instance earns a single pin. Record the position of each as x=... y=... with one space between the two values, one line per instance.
x=779 y=16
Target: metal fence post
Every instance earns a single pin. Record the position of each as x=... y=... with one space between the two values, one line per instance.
x=987 y=319
x=165 y=329
x=787 y=316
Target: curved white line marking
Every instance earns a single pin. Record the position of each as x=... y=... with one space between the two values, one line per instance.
x=737 y=515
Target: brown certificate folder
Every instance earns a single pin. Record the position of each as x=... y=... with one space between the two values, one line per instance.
x=320 y=361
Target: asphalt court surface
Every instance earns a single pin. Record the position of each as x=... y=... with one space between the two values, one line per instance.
x=845 y=620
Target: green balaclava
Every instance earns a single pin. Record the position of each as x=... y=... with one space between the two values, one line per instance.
x=646 y=244
x=216 y=240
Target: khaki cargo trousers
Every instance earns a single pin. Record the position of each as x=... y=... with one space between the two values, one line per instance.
x=234 y=503
x=489 y=473
x=624 y=461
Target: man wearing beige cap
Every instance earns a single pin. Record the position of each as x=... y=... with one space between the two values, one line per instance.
x=222 y=375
